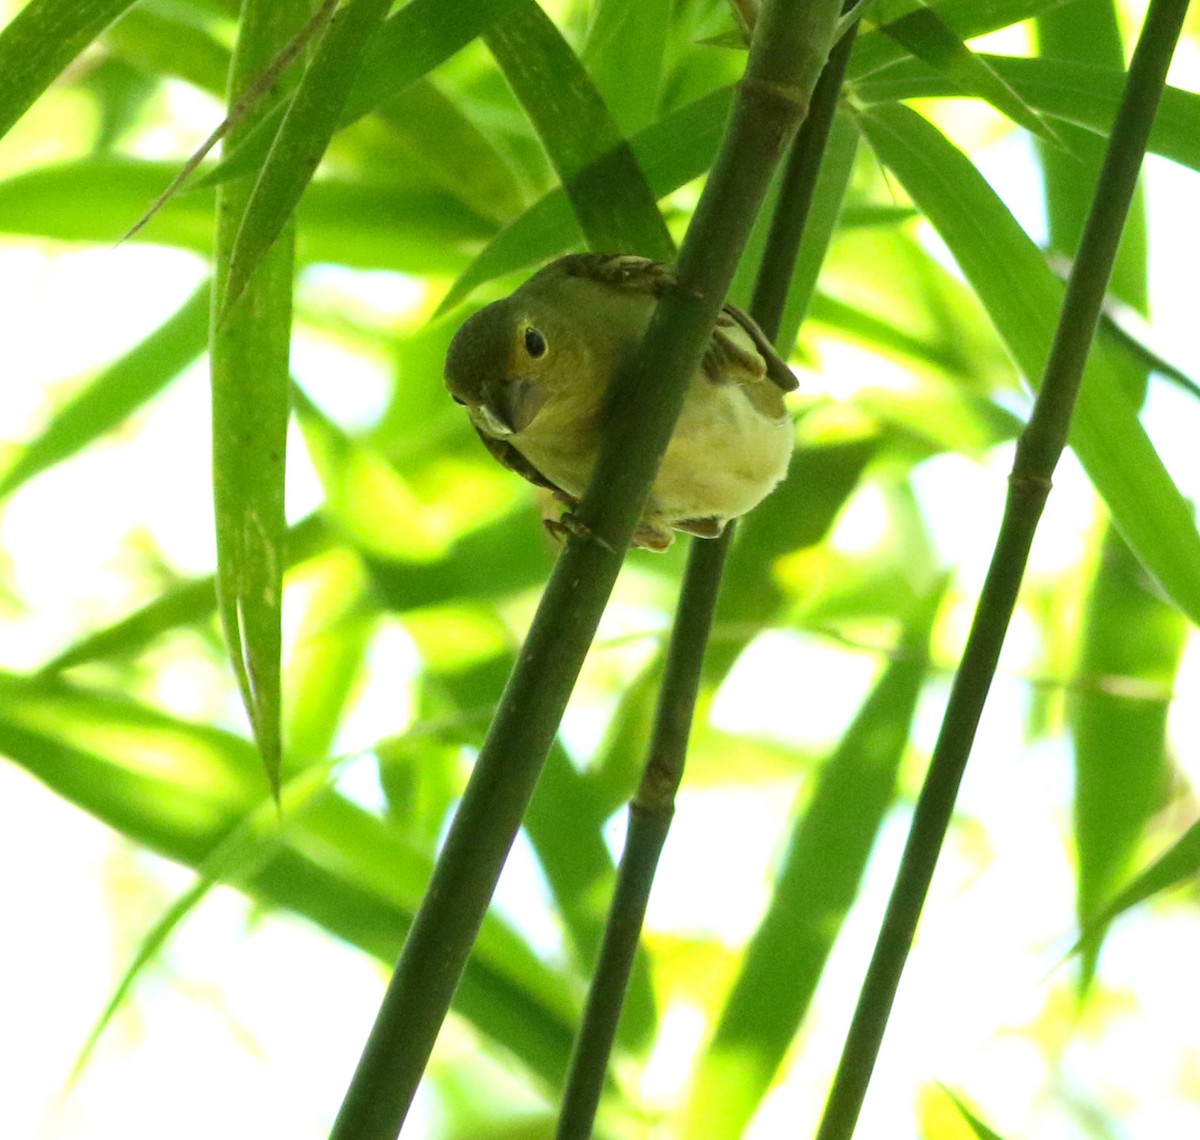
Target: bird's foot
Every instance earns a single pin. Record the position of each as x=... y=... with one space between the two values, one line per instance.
x=570 y=524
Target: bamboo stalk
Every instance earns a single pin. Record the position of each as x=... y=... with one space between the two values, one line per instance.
x=653 y=804
x=791 y=43
x=1038 y=451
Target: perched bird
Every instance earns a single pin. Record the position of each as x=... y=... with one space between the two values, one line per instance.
x=533 y=370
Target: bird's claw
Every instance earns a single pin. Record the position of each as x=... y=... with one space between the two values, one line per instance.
x=571 y=524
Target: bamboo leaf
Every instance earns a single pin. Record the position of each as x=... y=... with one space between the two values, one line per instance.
x=116 y=392
x=965 y=18
x=42 y=39
x=981 y=1130
x=410 y=44
x=1078 y=93
x=159 y=44
x=1118 y=728
x=1178 y=864
x=187 y=603
x=414 y=40
x=818 y=880
x=624 y=54
x=346 y=223
x=183 y=790
x=1119 y=719
x=249 y=350
x=1023 y=297
x=612 y=200
x=453 y=151
x=246 y=848
x=493 y=562
x=308 y=125
x=929 y=39
x=671 y=152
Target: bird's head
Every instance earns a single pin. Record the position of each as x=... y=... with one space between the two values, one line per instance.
x=507 y=361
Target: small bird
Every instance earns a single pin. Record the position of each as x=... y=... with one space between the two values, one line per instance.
x=533 y=370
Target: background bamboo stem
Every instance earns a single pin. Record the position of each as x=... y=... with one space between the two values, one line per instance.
x=1038 y=451
x=653 y=805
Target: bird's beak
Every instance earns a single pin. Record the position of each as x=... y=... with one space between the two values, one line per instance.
x=509 y=408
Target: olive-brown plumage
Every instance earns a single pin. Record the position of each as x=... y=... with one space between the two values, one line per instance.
x=533 y=370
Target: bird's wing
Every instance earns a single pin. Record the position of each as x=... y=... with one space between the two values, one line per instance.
x=511 y=458
x=738 y=350
x=624 y=271
x=758 y=357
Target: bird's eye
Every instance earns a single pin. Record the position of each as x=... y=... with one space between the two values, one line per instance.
x=535 y=343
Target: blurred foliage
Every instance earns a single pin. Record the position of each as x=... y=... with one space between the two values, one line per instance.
x=451 y=149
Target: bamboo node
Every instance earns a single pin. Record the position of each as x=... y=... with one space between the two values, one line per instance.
x=793 y=94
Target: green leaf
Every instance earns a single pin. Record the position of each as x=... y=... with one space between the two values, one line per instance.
x=184 y=790
x=414 y=40
x=796 y=515
x=249 y=350
x=410 y=44
x=162 y=45
x=308 y=125
x=624 y=54
x=1178 y=864
x=1073 y=92
x=928 y=38
x=815 y=886
x=981 y=1130
x=1023 y=299
x=245 y=849
x=187 y=603
x=115 y=393
x=615 y=206
x=1088 y=34
x=671 y=152
x=346 y=223
x=39 y=43
x=367 y=496
x=452 y=151
x=965 y=18
x=1118 y=712
x=485 y=565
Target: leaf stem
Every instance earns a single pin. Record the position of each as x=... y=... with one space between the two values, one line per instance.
x=1038 y=451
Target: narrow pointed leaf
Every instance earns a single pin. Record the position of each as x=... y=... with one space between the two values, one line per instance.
x=928 y=38
x=1022 y=298
x=409 y=45
x=981 y=1130
x=455 y=153
x=187 y=603
x=347 y=223
x=819 y=879
x=39 y=43
x=311 y=119
x=1180 y=863
x=117 y=392
x=671 y=152
x=613 y=202
x=1118 y=715
x=1078 y=93
x=246 y=848
x=182 y=789
x=249 y=350
x=967 y=19
x=624 y=54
